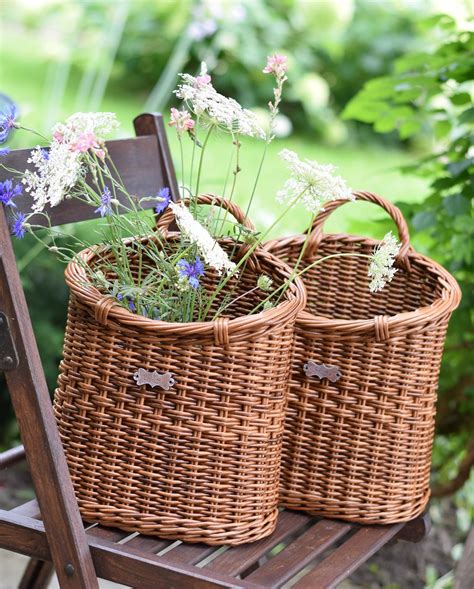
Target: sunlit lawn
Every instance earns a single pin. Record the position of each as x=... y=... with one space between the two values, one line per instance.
x=26 y=78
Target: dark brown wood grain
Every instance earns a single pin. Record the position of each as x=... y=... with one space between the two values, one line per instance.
x=292 y=559
x=144 y=165
x=32 y=405
x=348 y=557
x=37 y=575
x=242 y=557
x=113 y=562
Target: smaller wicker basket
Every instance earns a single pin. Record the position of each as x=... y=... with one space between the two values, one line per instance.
x=198 y=460
x=358 y=443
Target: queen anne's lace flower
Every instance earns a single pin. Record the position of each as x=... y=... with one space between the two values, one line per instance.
x=316 y=181
x=210 y=250
x=82 y=124
x=58 y=170
x=54 y=175
x=381 y=265
x=206 y=103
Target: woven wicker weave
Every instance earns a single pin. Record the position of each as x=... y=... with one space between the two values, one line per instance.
x=359 y=448
x=199 y=462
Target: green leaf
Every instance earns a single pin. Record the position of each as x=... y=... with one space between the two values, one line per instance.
x=438 y=20
x=385 y=124
x=461 y=98
x=409 y=128
x=467 y=116
x=423 y=220
x=364 y=110
x=456 y=204
x=457 y=168
x=442 y=128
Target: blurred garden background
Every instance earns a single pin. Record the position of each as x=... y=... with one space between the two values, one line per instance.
x=381 y=88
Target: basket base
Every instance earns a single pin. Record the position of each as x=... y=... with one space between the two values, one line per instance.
x=400 y=512
x=212 y=532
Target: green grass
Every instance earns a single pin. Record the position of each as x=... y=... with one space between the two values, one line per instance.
x=26 y=75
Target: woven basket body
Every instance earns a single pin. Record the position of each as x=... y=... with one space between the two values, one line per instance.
x=198 y=462
x=357 y=443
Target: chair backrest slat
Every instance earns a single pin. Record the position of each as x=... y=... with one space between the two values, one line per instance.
x=144 y=165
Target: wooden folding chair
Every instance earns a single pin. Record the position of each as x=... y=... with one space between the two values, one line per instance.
x=49 y=529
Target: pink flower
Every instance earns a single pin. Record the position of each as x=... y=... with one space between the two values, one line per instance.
x=182 y=120
x=59 y=137
x=203 y=80
x=276 y=64
x=84 y=142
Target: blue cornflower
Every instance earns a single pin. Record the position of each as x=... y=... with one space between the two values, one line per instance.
x=105 y=203
x=163 y=198
x=8 y=192
x=18 y=225
x=191 y=270
x=131 y=304
x=4 y=151
x=8 y=117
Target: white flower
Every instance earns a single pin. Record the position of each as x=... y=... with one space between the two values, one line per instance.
x=264 y=282
x=318 y=182
x=205 y=102
x=59 y=169
x=210 y=250
x=100 y=124
x=381 y=265
x=56 y=173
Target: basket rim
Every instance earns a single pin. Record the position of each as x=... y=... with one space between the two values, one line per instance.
x=75 y=277
x=401 y=321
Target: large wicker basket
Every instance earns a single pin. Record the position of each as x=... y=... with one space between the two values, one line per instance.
x=358 y=443
x=199 y=462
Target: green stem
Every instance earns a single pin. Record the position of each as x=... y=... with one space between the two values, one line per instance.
x=298 y=261
x=250 y=251
x=310 y=267
x=201 y=158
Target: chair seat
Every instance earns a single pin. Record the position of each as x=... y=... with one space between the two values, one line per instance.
x=304 y=552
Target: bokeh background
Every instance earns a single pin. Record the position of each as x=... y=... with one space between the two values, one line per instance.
x=381 y=88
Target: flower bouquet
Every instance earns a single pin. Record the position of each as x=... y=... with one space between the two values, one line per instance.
x=178 y=347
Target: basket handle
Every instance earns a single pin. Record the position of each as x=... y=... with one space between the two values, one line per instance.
x=167 y=217
x=402 y=227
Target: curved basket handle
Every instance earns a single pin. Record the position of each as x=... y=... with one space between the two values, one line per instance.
x=167 y=217
x=392 y=210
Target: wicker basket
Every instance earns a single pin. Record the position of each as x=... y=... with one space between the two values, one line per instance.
x=358 y=442
x=199 y=462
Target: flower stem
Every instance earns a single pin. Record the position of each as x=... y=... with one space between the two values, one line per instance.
x=310 y=267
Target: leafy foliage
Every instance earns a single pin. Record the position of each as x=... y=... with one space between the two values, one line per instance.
x=431 y=92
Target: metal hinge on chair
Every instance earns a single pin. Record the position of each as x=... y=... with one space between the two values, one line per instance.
x=8 y=356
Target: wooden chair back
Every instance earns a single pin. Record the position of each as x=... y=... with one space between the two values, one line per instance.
x=144 y=164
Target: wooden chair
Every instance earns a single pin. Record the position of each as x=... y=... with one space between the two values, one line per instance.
x=49 y=529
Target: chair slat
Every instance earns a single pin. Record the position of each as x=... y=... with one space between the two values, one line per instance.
x=12 y=456
x=29 y=509
x=240 y=558
x=189 y=553
x=112 y=562
x=109 y=534
x=348 y=557
x=147 y=544
x=290 y=561
x=130 y=156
